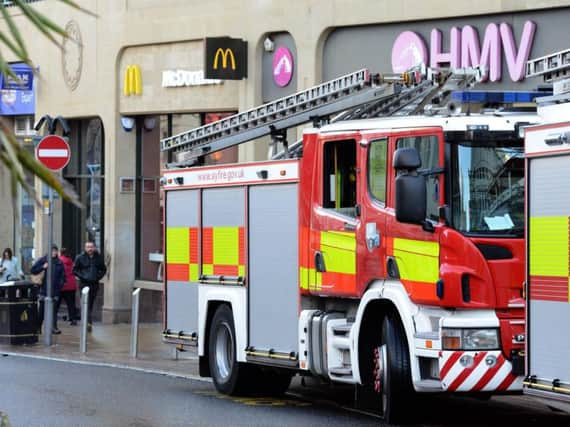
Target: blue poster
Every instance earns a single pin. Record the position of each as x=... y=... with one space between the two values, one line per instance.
x=17 y=98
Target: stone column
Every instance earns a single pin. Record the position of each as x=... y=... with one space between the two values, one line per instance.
x=120 y=161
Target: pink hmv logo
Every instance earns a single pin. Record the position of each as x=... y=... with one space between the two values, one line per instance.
x=282 y=66
x=465 y=50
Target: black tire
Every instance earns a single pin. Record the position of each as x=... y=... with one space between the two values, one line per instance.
x=392 y=375
x=228 y=374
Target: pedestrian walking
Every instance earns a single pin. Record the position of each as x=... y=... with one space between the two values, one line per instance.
x=9 y=267
x=90 y=268
x=57 y=279
x=67 y=293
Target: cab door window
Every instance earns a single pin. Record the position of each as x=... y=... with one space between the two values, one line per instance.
x=377 y=155
x=428 y=149
x=339 y=180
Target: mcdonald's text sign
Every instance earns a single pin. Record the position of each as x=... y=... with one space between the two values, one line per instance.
x=225 y=58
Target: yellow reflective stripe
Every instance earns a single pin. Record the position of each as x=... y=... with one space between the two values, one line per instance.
x=316 y=280
x=226 y=245
x=339 y=251
x=310 y=279
x=304 y=277
x=208 y=269
x=417 y=260
x=194 y=272
x=421 y=247
x=339 y=239
x=548 y=246
x=241 y=270
x=177 y=245
x=339 y=260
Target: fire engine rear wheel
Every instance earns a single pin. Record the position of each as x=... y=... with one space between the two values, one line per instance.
x=392 y=378
x=228 y=374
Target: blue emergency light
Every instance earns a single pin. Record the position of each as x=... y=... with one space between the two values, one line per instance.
x=496 y=97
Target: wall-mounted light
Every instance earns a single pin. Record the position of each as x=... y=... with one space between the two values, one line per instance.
x=128 y=123
x=268 y=44
x=149 y=123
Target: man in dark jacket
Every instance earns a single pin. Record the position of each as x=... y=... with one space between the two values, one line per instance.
x=57 y=279
x=90 y=268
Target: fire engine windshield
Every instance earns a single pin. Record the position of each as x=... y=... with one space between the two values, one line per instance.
x=488 y=188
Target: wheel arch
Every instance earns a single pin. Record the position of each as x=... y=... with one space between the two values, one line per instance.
x=210 y=299
x=204 y=362
x=382 y=297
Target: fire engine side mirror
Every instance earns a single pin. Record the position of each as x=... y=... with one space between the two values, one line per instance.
x=410 y=187
x=407 y=159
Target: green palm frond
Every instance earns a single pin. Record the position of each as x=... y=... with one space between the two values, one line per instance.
x=15 y=158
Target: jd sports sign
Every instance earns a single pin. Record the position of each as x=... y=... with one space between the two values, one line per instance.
x=225 y=58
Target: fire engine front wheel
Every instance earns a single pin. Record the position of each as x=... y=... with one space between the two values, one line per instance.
x=228 y=374
x=392 y=378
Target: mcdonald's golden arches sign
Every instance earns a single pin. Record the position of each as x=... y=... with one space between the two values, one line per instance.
x=225 y=58
x=132 y=84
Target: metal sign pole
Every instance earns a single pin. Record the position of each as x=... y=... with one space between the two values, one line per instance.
x=54 y=153
x=48 y=303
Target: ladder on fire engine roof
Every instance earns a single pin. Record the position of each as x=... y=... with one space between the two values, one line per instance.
x=359 y=95
x=555 y=69
x=552 y=67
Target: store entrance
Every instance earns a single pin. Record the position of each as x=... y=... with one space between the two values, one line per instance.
x=85 y=173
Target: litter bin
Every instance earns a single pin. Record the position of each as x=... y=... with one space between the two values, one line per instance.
x=18 y=313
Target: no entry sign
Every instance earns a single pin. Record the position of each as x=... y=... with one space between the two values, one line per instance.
x=53 y=151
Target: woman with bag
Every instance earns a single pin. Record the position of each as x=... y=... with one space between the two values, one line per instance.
x=67 y=293
x=57 y=279
x=9 y=267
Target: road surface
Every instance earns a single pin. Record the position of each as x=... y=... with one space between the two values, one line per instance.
x=38 y=392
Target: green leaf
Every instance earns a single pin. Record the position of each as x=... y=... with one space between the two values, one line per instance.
x=4 y=39
x=15 y=33
x=19 y=159
x=78 y=7
x=5 y=68
x=43 y=24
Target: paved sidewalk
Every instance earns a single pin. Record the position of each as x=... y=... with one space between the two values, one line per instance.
x=110 y=345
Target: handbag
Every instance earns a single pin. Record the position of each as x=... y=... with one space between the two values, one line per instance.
x=38 y=279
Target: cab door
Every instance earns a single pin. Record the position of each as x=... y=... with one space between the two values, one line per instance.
x=413 y=248
x=374 y=207
x=334 y=217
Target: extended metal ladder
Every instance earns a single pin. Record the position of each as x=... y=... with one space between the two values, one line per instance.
x=552 y=67
x=359 y=95
x=555 y=69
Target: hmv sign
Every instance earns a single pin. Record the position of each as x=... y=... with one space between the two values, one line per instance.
x=466 y=48
x=502 y=42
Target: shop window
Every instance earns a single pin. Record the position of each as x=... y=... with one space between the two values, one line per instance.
x=27 y=215
x=339 y=180
x=85 y=172
x=150 y=205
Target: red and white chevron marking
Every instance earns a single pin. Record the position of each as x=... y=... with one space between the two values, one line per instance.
x=477 y=374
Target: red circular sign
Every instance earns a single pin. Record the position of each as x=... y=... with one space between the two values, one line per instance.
x=53 y=151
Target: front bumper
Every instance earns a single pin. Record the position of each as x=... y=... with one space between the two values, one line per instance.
x=477 y=371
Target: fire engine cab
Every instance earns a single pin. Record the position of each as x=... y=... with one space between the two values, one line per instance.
x=383 y=252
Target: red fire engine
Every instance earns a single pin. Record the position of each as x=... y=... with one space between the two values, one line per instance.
x=548 y=237
x=386 y=252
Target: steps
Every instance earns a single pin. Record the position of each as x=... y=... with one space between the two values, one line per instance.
x=339 y=355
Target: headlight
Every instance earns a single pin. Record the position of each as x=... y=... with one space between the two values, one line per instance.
x=470 y=339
